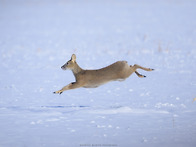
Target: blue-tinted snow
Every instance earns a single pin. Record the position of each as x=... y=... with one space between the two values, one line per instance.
x=37 y=37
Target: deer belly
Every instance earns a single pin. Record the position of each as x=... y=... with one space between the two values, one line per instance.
x=94 y=84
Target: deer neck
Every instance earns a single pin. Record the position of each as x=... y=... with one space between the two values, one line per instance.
x=77 y=69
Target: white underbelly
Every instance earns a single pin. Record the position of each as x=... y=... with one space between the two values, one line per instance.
x=93 y=85
x=97 y=84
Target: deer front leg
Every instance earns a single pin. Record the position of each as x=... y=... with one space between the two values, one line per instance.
x=68 y=87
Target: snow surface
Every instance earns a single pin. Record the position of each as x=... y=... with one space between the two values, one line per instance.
x=37 y=37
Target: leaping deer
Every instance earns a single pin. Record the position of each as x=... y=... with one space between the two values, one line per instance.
x=117 y=71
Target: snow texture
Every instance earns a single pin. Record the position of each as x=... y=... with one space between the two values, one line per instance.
x=38 y=36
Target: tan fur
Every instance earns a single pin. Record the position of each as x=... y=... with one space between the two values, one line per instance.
x=119 y=70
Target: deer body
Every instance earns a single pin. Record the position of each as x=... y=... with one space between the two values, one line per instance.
x=95 y=78
x=119 y=70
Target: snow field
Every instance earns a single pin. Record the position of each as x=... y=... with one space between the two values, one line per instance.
x=38 y=37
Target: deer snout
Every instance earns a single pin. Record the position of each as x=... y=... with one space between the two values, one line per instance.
x=63 y=67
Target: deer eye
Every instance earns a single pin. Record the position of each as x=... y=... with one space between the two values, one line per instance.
x=68 y=62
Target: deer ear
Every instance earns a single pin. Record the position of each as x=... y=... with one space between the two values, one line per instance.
x=73 y=57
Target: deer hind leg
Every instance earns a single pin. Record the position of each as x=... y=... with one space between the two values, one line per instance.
x=139 y=75
x=144 y=68
x=68 y=87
